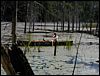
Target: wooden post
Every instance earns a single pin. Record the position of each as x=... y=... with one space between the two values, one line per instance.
x=55 y=43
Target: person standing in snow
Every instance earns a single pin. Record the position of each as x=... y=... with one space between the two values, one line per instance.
x=54 y=39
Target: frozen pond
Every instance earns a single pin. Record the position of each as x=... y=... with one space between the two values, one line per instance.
x=45 y=63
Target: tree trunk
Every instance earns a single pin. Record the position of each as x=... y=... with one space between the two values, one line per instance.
x=57 y=17
x=25 y=20
x=57 y=24
x=55 y=44
x=25 y=26
x=79 y=24
x=73 y=24
x=68 y=24
x=76 y=23
x=91 y=27
x=33 y=24
x=97 y=28
x=30 y=16
x=14 y=20
x=20 y=62
x=45 y=20
x=63 y=22
x=63 y=16
x=54 y=24
x=6 y=63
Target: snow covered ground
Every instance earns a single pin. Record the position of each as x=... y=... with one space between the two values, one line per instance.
x=45 y=63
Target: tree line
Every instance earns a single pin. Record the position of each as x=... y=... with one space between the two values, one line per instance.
x=51 y=11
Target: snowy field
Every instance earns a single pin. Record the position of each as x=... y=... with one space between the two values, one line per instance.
x=45 y=63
